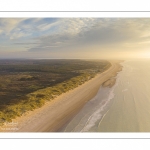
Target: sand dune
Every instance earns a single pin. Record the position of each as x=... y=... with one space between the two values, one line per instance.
x=54 y=115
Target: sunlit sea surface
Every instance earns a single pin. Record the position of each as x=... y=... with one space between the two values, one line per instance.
x=123 y=108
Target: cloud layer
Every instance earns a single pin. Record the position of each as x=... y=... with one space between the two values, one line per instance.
x=73 y=37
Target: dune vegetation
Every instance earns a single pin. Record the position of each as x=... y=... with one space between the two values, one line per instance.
x=27 y=84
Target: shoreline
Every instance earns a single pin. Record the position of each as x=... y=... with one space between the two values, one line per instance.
x=55 y=114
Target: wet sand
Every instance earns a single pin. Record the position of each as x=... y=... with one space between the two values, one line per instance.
x=57 y=113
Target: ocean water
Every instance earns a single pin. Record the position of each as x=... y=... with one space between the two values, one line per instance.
x=123 y=108
x=130 y=111
x=89 y=117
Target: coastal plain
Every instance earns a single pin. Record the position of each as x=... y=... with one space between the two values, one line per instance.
x=54 y=115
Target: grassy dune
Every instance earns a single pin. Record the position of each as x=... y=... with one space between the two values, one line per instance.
x=31 y=90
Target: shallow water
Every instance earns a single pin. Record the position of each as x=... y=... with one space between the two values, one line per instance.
x=88 y=119
x=123 y=108
x=130 y=111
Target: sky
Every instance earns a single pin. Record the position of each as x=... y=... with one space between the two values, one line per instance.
x=67 y=38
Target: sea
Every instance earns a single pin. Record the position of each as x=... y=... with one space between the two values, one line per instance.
x=125 y=107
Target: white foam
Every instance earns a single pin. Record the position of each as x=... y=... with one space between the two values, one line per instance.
x=98 y=114
x=89 y=117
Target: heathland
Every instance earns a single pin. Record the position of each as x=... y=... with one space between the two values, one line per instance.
x=28 y=84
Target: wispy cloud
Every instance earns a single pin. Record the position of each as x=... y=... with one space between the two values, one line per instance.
x=69 y=34
x=94 y=31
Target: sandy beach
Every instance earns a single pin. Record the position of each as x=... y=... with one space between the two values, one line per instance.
x=57 y=113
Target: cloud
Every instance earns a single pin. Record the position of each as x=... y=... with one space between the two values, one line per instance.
x=78 y=32
x=15 y=28
x=75 y=34
x=7 y=25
